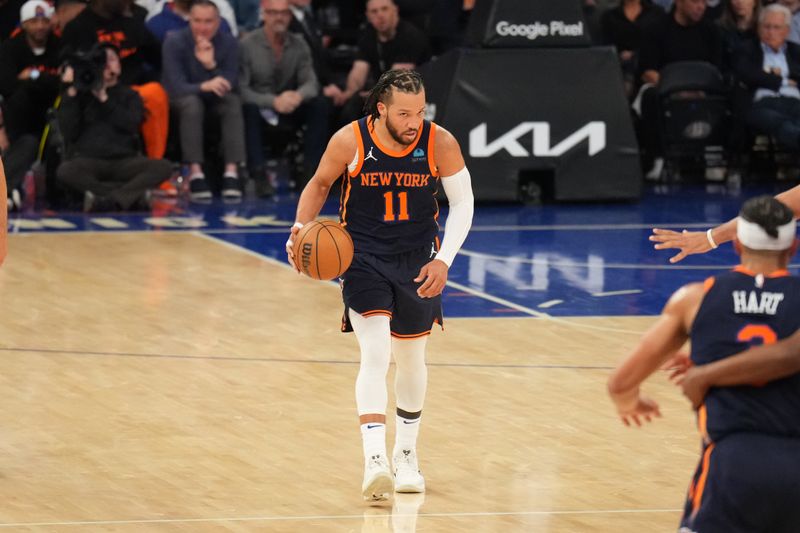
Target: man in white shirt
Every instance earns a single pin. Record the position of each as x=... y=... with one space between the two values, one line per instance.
x=770 y=68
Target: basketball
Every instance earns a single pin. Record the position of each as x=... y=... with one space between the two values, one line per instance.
x=323 y=249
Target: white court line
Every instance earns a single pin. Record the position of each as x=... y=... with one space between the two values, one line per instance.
x=550 y=303
x=463 y=288
x=498 y=300
x=533 y=312
x=336 y=517
x=616 y=293
x=242 y=249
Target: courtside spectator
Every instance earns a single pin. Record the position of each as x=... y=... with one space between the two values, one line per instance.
x=201 y=68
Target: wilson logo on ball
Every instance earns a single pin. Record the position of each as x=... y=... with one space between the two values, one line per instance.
x=324 y=249
x=306 y=256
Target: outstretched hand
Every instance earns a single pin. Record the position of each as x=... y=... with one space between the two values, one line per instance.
x=644 y=410
x=433 y=276
x=689 y=242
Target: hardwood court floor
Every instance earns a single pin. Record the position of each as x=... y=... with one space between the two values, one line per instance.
x=170 y=382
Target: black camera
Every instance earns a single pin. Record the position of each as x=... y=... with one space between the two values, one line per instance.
x=87 y=67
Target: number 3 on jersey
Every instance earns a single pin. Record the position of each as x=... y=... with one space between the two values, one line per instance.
x=752 y=332
x=388 y=215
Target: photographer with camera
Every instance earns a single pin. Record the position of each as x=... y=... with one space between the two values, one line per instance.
x=100 y=119
x=109 y=22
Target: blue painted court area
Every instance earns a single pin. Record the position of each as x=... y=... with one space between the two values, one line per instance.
x=561 y=259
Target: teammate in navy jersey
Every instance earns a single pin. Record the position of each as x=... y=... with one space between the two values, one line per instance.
x=391 y=163
x=748 y=479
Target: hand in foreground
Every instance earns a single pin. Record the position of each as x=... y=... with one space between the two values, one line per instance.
x=290 y=245
x=645 y=409
x=689 y=242
x=434 y=277
x=694 y=386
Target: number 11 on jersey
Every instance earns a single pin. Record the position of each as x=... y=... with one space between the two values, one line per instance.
x=402 y=197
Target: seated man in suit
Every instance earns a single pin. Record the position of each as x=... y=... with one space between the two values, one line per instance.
x=770 y=68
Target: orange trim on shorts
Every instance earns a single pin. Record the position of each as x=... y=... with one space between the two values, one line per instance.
x=376 y=312
x=431 y=144
x=359 y=149
x=410 y=337
x=708 y=283
x=387 y=151
x=697 y=496
x=782 y=273
x=399 y=336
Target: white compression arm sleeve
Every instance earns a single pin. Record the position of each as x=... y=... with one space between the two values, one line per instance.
x=458 y=189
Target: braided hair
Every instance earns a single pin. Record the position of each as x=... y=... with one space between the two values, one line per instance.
x=767 y=212
x=407 y=81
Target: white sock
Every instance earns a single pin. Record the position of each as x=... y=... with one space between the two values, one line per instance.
x=406 y=432
x=373 y=437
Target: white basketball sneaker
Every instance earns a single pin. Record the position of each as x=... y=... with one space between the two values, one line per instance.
x=378 y=483
x=407 y=477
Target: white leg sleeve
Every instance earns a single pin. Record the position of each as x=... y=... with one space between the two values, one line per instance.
x=411 y=379
x=374 y=339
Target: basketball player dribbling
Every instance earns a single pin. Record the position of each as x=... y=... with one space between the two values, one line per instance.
x=392 y=162
x=748 y=478
x=3 y=215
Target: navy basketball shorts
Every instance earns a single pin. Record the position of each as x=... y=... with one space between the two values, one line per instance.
x=746 y=483
x=384 y=285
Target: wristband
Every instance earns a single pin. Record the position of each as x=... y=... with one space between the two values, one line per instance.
x=711 y=240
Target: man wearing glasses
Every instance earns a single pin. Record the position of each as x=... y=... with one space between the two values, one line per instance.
x=279 y=89
x=770 y=68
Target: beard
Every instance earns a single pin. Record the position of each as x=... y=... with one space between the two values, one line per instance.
x=398 y=136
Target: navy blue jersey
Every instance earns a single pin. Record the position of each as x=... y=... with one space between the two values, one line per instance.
x=740 y=310
x=388 y=202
